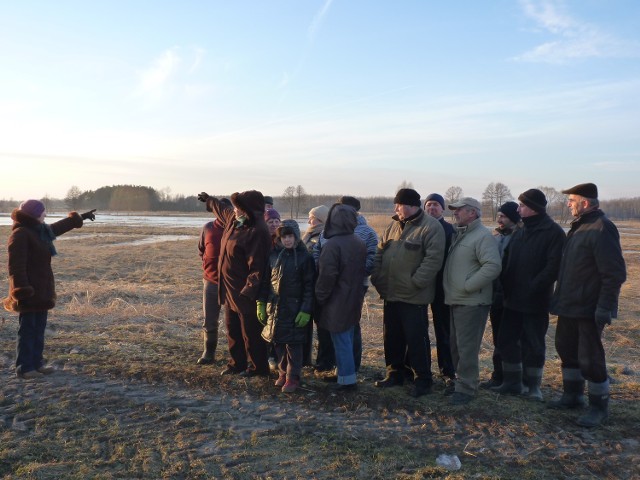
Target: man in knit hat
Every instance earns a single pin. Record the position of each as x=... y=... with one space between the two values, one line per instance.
x=529 y=268
x=592 y=270
x=434 y=206
x=508 y=220
x=407 y=261
x=472 y=265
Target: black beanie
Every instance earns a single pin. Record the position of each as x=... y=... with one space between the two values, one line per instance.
x=353 y=201
x=407 y=196
x=534 y=199
x=510 y=209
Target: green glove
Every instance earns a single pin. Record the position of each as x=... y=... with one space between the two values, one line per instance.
x=262 y=312
x=603 y=317
x=302 y=319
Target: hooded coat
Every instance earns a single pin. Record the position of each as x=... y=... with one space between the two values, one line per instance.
x=287 y=289
x=244 y=250
x=341 y=271
x=31 y=282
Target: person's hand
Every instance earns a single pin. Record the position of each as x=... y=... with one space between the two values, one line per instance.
x=261 y=311
x=302 y=319
x=203 y=197
x=89 y=215
x=603 y=317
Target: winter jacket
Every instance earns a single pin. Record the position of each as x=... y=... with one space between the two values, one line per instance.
x=530 y=264
x=31 y=282
x=408 y=259
x=311 y=237
x=472 y=265
x=287 y=289
x=209 y=249
x=592 y=268
x=341 y=272
x=244 y=250
x=448 y=235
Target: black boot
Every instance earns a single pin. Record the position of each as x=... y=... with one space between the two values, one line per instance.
x=210 y=344
x=572 y=396
x=598 y=412
x=511 y=379
x=391 y=380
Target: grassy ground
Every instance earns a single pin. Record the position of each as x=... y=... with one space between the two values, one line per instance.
x=128 y=400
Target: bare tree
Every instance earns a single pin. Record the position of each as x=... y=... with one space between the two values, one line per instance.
x=556 y=203
x=494 y=196
x=73 y=198
x=289 y=196
x=453 y=194
x=300 y=196
x=404 y=184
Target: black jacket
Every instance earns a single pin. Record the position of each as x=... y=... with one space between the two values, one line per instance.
x=592 y=269
x=530 y=264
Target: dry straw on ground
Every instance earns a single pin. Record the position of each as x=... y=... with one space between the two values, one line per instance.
x=129 y=401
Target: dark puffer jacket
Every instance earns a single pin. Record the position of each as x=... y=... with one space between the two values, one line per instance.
x=244 y=250
x=592 y=269
x=341 y=271
x=31 y=282
x=530 y=264
x=287 y=289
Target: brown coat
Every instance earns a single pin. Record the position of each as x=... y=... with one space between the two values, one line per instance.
x=31 y=283
x=244 y=251
x=341 y=271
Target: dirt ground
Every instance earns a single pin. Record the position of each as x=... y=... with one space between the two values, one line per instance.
x=128 y=400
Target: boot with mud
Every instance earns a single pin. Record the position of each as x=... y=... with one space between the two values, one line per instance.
x=511 y=380
x=573 y=391
x=210 y=344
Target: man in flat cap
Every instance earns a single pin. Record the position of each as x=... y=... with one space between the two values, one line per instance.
x=529 y=269
x=471 y=267
x=592 y=270
x=408 y=259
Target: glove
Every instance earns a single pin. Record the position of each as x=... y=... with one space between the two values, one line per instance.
x=262 y=312
x=203 y=197
x=302 y=319
x=89 y=215
x=603 y=317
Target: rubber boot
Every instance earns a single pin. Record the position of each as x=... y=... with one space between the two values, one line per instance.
x=598 y=406
x=210 y=344
x=534 y=380
x=573 y=391
x=511 y=379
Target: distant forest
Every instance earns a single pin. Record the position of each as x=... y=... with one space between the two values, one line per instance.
x=295 y=202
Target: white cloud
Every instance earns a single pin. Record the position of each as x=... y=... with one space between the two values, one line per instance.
x=319 y=19
x=575 y=39
x=156 y=79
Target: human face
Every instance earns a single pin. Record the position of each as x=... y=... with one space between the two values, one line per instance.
x=433 y=208
x=405 y=211
x=42 y=217
x=273 y=224
x=313 y=221
x=464 y=216
x=577 y=205
x=504 y=222
x=526 y=212
x=288 y=240
x=238 y=212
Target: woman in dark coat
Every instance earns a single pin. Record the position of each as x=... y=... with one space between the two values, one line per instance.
x=339 y=292
x=286 y=301
x=31 y=285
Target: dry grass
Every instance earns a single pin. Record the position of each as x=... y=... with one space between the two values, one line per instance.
x=130 y=402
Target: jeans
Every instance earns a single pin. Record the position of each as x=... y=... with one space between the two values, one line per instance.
x=30 y=343
x=343 y=346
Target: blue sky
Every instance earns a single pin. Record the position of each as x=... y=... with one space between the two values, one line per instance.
x=339 y=96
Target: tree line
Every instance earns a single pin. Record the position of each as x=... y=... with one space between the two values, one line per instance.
x=295 y=202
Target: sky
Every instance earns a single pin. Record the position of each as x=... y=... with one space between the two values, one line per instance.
x=341 y=97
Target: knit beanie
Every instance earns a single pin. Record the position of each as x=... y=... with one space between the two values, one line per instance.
x=271 y=214
x=33 y=208
x=534 y=199
x=320 y=212
x=436 y=198
x=510 y=209
x=407 y=196
x=353 y=201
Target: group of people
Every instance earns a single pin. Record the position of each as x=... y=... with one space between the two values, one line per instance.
x=273 y=284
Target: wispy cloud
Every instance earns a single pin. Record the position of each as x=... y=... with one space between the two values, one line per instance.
x=318 y=20
x=155 y=80
x=574 y=40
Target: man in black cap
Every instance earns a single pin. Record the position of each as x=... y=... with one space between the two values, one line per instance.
x=529 y=268
x=509 y=221
x=434 y=206
x=408 y=259
x=592 y=270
